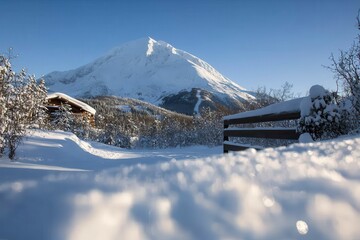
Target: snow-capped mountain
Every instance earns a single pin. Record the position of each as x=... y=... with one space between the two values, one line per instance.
x=152 y=71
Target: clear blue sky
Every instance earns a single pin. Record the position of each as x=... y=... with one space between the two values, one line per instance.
x=254 y=43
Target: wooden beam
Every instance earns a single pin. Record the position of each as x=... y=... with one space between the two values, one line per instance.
x=265 y=118
x=226 y=138
x=237 y=147
x=262 y=133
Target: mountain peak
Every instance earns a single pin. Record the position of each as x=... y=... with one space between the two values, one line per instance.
x=150 y=46
x=143 y=40
x=148 y=70
x=150 y=39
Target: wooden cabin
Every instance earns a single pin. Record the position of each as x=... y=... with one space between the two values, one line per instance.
x=78 y=108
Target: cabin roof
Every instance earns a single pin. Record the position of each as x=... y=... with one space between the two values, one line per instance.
x=74 y=101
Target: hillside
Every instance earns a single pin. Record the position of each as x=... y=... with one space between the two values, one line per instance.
x=155 y=72
x=134 y=106
x=133 y=123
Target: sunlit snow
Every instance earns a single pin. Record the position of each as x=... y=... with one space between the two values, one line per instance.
x=86 y=190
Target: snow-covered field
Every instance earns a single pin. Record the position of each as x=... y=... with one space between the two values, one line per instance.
x=65 y=188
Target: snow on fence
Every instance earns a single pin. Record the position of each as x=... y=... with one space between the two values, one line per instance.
x=289 y=110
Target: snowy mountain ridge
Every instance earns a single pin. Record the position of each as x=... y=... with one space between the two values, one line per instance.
x=148 y=70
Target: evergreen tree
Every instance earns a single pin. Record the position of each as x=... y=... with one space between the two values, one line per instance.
x=63 y=119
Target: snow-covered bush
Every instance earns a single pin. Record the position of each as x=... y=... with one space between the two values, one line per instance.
x=320 y=115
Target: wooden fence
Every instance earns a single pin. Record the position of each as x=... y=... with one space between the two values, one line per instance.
x=289 y=110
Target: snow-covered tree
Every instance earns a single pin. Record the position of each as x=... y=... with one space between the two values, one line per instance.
x=63 y=119
x=6 y=76
x=209 y=128
x=347 y=71
x=265 y=97
x=82 y=128
x=320 y=115
x=35 y=94
x=21 y=101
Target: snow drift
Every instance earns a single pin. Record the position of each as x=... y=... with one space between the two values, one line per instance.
x=307 y=191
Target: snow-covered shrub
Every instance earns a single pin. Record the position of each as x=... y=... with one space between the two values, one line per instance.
x=320 y=115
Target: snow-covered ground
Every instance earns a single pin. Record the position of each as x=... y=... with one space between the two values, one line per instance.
x=65 y=188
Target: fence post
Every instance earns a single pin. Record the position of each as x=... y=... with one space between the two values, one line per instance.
x=226 y=138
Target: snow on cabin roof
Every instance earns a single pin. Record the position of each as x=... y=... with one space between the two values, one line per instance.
x=74 y=101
